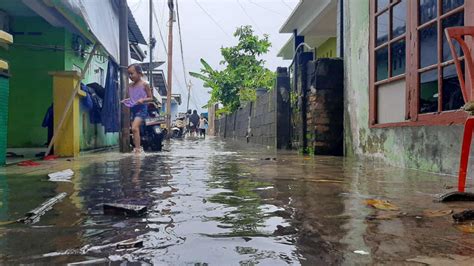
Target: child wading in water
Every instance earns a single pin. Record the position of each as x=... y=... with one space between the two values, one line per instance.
x=139 y=93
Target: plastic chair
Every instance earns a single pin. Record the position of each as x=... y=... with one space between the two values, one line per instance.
x=459 y=34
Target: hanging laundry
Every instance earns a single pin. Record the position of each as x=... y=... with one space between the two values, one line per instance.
x=110 y=111
x=93 y=103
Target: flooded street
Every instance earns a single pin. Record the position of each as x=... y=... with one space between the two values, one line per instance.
x=217 y=203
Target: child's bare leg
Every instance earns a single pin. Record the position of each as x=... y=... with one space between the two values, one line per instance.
x=136 y=132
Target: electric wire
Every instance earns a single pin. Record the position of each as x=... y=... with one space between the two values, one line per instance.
x=286 y=4
x=247 y=14
x=53 y=48
x=265 y=8
x=163 y=10
x=181 y=44
x=182 y=51
x=211 y=18
x=159 y=30
x=166 y=50
x=137 y=6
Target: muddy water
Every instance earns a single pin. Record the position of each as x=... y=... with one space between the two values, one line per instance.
x=216 y=203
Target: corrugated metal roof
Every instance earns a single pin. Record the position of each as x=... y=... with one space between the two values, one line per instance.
x=154 y=65
x=134 y=33
x=159 y=82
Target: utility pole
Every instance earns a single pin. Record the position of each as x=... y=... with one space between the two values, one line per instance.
x=123 y=44
x=189 y=94
x=151 y=46
x=170 y=66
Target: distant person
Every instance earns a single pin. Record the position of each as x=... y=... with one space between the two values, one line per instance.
x=188 y=127
x=202 y=126
x=139 y=93
x=194 y=122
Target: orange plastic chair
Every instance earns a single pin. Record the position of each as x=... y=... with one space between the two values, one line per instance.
x=459 y=34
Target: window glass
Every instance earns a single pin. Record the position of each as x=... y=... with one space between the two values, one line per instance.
x=381 y=58
x=399 y=19
x=449 y=5
x=427 y=10
x=398 y=57
x=381 y=4
x=429 y=91
x=451 y=21
x=428 y=43
x=452 y=95
x=382 y=28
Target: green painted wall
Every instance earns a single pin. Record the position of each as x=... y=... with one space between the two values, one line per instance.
x=92 y=135
x=433 y=148
x=4 y=92
x=30 y=84
x=327 y=49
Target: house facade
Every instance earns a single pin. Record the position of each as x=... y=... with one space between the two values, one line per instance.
x=402 y=95
x=53 y=41
x=402 y=98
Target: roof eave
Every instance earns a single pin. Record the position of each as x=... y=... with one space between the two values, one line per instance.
x=285 y=27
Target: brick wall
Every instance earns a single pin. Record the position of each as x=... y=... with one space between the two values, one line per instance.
x=325 y=112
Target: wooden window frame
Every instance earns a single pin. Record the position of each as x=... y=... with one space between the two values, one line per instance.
x=411 y=76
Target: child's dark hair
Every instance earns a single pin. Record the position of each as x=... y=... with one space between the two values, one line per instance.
x=137 y=68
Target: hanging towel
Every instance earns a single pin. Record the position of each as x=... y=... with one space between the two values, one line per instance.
x=110 y=111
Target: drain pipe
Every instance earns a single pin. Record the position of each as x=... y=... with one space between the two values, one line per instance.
x=303 y=102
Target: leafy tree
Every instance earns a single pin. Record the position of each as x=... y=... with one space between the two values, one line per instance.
x=244 y=72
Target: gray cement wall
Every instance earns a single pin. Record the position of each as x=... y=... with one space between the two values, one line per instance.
x=254 y=123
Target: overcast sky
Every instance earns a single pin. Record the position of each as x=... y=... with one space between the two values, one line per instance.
x=205 y=29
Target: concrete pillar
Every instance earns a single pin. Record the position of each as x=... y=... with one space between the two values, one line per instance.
x=67 y=143
x=283 y=109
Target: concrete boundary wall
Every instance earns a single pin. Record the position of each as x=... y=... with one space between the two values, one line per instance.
x=253 y=123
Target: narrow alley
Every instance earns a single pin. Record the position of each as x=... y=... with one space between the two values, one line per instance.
x=218 y=203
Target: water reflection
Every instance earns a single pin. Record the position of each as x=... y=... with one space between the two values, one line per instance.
x=211 y=202
x=246 y=217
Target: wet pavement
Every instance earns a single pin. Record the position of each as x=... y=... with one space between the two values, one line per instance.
x=219 y=203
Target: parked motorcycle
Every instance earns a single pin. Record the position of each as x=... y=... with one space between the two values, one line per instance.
x=152 y=131
x=178 y=129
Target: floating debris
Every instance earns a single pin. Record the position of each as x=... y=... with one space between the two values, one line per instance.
x=90 y=262
x=50 y=158
x=456 y=196
x=382 y=204
x=159 y=220
x=7 y=222
x=447 y=259
x=361 y=252
x=115 y=258
x=385 y=216
x=28 y=163
x=34 y=215
x=284 y=230
x=325 y=181
x=464 y=216
x=466 y=228
x=264 y=188
x=130 y=243
x=62 y=176
x=124 y=209
x=436 y=213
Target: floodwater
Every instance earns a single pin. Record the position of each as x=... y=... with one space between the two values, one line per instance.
x=219 y=203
